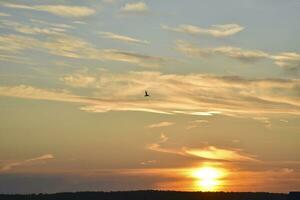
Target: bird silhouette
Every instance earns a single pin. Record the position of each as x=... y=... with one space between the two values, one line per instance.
x=146 y=94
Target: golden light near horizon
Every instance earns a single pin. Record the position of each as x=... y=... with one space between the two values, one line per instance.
x=208 y=178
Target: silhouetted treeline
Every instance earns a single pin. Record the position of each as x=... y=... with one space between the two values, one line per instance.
x=154 y=195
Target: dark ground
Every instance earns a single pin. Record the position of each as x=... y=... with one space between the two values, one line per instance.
x=155 y=195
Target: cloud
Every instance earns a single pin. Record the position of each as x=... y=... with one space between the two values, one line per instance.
x=228 y=51
x=214 y=153
x=207 y=152
x=15 y=59
x=160 y=124
x=29 y=92
x=78 y=80
x=122 y=38
x=11 y=165
x=196 y=123
x=265 y=120
x=287 y=60
x=73 y=47
x=193 y=94
x=158 y=146
x=148 y=162
x=109 y=1
x=15 y=43
x=224 y=30
x=284 y=120
x=60 y=10
x=240 y=54
x=138 y=7
x=4 y=14
x=26 y=29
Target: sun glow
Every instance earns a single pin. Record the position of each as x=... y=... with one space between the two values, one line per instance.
x=208 y=178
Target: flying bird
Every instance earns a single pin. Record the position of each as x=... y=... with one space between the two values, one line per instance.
x=146 y=94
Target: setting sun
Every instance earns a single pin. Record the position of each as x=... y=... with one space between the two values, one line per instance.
x=208 y=178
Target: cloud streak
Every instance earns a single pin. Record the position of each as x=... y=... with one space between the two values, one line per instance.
x=54 y=29
x=289 y=60
x=207 y=152
x=60 y=10
x=198 y=94
x=76 y=48
x=160 y=124
x=196 y=123
x=228 y=51
x=11 y=165
x=138 y=7
x=214 y=153
x=122 y=38
x=224 y=30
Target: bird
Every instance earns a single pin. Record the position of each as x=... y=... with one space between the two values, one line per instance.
x=146 y=94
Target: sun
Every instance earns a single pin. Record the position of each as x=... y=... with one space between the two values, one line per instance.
x=208 y=178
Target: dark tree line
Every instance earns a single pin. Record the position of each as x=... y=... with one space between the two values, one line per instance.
x=155 y=195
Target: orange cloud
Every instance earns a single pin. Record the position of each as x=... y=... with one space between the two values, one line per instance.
x=215 y=153
x=160 y=124
x=11 y=165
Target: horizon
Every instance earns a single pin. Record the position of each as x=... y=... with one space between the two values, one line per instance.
x=120 y=95
x=149 y=190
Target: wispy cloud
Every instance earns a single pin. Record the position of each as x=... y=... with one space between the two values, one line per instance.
x=15 y=59
x=10 y=165
x=228 y=51
x=224 y=30
x=79 y=80
x=110 y=1
x=137 y=7
x=60 y=10
x=196 y=123
x=160 y=124
x=148 y=162
x=290 y=60
x=4 y=14
x=15 y=43
x=287 y=60
x=206 y=152
x=73 y=47
x=158 y=146
x=26 y=29
x=265 y=120
x=122 y=38
x=241 y=54
x=29 y=92
x=214 y=153
x=198 y=94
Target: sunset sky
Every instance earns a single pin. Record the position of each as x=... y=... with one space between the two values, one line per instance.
x=224 y=105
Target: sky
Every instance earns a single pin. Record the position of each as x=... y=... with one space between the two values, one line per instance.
x=224 y=104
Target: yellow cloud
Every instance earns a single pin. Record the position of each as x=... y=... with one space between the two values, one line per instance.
x=122 y=38
x=139 y=7
x=290 y=60
x=194 y=94
x=4 y=14
x=160 y=124
x=79 y=80
x=215 y=153
x=287 y=60
x=61 y=10
x=215 y=30
x=232 y=52
x=207 y=152
x=11 y=165
x=21 y=28
x=73 y=47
